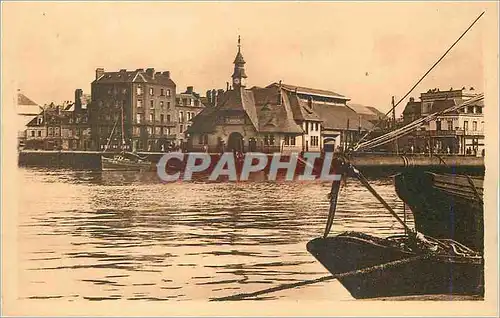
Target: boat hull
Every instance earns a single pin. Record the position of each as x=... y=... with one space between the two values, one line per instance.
x=109 y=164
x=444 y=206
x=426 y=276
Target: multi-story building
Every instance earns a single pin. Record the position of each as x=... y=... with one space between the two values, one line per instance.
x=276 y=118
x=26 y=110
x=188 y=105
x=133 y=110
x=59 y=127
x=459 y=132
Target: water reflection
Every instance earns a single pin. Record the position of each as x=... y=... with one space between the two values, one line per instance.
x=124 y=235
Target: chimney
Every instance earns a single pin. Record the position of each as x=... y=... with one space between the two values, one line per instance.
x=123 y=70
x=220 y=92
x=139 y=70
x=151 y=72
x=190 y=90
x=214 y=97
x=227 y=86
x=166 y=74
x=412 y=99
x=209 y=97
x=310 y=102
x=78 y=99
x=99 y=72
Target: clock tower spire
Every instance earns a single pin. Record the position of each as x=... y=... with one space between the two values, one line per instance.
x=239 y=75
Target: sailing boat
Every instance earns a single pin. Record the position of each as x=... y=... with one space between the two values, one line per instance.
x=124 y=160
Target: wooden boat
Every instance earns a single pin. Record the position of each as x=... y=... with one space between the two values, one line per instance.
x=125 y=161
x=445 y=205
x=435 y=267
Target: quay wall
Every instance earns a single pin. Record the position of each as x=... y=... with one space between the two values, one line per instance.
x=368 y=163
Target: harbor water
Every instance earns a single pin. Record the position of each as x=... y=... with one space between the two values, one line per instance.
x=101 y=236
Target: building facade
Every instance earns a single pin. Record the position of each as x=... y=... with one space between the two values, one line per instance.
x=275 y=118
x=59 y=127
x=26 y=110
x=459 y=132
x=188 y=104
x=133 y=110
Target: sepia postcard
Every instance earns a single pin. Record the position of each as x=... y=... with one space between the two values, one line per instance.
x=249 y=158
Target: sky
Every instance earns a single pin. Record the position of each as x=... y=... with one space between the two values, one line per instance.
x=366 y=51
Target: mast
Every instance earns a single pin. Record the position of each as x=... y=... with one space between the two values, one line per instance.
x=396 y=146
x=123 y=131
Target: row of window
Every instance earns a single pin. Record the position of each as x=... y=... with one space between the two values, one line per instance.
x=311 y=127
x=71 y=120
x=203 y=139
x=55 y=132
x=449 y=124
x=163 y=92
x=269 y=140
x=187 y=102
x=289 y=141
x=189 y=115
x=140 y=118
x=152 y=104
x=314 y=141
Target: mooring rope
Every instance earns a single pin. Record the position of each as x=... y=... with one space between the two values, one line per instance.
x=361 y=271
x=473 y=186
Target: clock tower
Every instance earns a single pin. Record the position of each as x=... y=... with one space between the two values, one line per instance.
x=239 y=76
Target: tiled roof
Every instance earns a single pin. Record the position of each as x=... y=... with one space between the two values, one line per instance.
x=301 y=110
x=368 y=113
x=267 y=114
x=53 y=116
x=137 y=76
x=274 y=117
x=440 y=105
x=311 y=91
x=23 y=100
x=413 y=108
x=26 y=106
x=336 y=117
x=259 y=104
x=377 y=112
x=239 y=59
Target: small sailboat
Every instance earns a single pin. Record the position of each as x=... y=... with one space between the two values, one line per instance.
x=124 y=160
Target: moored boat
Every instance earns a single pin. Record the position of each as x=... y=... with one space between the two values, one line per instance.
x=445 y=205
x=125 y=161
x=434 y=267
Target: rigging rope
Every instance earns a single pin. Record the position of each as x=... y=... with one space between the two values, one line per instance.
x=398 y=133
x=361 y=271
x=420 y=80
